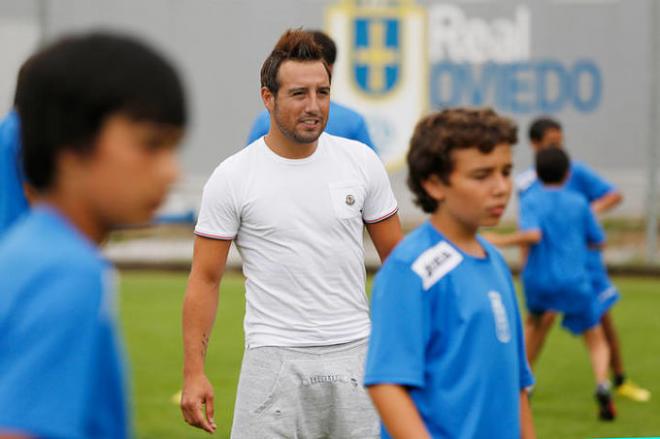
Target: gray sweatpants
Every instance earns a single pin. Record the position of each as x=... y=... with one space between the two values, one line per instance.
x=304 y=393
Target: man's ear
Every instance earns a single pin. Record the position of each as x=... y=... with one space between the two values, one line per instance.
x=434 y=187
x=268 y=98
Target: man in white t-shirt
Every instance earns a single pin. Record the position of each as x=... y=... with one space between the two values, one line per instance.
x=295 y=203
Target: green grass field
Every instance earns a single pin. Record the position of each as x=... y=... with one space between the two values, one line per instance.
x=563 y=405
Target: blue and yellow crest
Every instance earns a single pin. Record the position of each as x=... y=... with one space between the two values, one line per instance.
x=376 y=43
x=376 y=54
x=381 y=68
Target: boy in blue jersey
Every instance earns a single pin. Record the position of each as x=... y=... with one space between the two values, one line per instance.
x=100 y=115
x=602 y=196
x=342 y=121
x=446 y=354
x=559 y=227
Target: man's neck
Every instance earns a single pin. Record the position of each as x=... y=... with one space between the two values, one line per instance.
x=287 y=148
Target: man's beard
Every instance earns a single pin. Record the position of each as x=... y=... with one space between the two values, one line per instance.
x=296 y=137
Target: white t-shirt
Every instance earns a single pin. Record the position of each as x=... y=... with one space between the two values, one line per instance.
x=298 y=225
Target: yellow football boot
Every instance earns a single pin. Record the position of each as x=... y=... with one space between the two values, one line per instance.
x=632 y=391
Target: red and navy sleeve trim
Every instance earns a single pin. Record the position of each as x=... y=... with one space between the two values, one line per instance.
x=382 y=218
x=209 y=235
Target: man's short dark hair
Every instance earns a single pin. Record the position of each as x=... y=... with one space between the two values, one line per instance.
x=328 y=47
x=293 y=45
x=540 y=126
x=552 y=165
x=68 y=89
x=438 y=134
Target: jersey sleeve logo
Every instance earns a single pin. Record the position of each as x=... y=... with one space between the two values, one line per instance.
x=525 y=180
x=435 y=263
x=502 y=331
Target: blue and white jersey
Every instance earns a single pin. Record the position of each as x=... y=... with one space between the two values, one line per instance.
x=568 y=227
x=342 y=122
x=13 y=203
x=556 y=276
x=61 y=367
x=447 y=326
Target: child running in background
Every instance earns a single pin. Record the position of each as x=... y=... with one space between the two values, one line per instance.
x=446 y=353
x=602 y=196
x=559 y=227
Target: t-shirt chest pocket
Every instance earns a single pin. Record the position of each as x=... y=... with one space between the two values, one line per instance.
x=347 y=198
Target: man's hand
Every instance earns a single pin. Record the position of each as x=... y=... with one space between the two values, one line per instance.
x=197 y=403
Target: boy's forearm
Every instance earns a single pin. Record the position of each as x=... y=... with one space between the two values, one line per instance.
x=606 y=202
x=398 y=412
x=521 y=237
x=526 y=423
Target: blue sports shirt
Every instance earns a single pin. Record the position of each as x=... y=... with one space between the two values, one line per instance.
x=13 y=203
x=591 y=186
x=568 y=226
x=342 y=122
x=61 y=367
x=556 y=275
x=447 y=326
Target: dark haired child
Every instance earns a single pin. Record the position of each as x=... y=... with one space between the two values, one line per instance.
x=602 y=196
x=559 y=226
x=101 y=116
x=446 y=354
